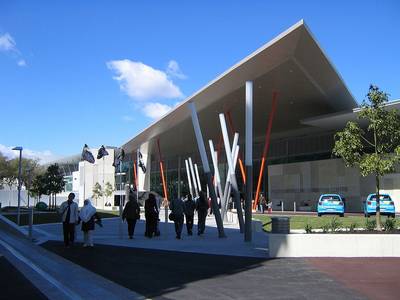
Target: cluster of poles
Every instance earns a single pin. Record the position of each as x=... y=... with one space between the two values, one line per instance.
x=214 y=185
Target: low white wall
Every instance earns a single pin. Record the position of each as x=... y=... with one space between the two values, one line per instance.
x=334 y=245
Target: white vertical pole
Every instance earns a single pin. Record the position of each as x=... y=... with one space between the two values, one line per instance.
x=232 y=171
x=137 y=173
x=197 y=177
x=216 y=170
x=194 y=177
x=188 y=176
x=206 y=168
x=249 y=161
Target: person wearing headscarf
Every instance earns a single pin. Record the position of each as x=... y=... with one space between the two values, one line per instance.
x=202 y=209
x=88 y=216
x=177 y=208
x=190 y=206
x=131 y=213
x=151 y=215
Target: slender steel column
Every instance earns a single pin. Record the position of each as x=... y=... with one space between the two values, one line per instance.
x=234 y=185
x=197 y=177
x=249 y=161
x=216 y=171
x=188 y=176
x=194 y=177
x=206 y=168
x=179 y=177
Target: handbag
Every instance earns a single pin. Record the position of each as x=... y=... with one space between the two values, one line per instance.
x=171 y=216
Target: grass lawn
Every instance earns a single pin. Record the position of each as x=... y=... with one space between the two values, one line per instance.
x=53 y=217
x=299 y=222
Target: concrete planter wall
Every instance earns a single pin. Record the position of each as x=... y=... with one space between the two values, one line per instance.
x=334 y=245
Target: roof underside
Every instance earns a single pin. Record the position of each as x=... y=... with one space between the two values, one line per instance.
x=292 y=64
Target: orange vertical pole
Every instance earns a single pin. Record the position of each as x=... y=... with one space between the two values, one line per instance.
x=162 y=171
x=135 y=174
x=266 y=146
x=230 y=123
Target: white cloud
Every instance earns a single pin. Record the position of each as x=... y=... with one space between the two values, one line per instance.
x=142 y=82
x=174 y=70
x=21 y=63
x=127 y=118
x=43 y=156
x=155 y=110
x=7 y=43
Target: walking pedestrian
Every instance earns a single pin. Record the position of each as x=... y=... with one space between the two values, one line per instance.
x=131 y=214
x=69 y=212
x=89 y=217
x=177 y=209
x=190 y=207
x=202 y=208
x=263 y=202
x=151 y=215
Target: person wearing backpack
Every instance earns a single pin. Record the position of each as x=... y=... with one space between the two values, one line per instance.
x=202 y=208
x=190 y=207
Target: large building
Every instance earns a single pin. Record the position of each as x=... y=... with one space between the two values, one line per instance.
x=313 y=103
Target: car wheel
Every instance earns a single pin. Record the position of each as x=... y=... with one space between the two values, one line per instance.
x=319 y=214
x=393 y=216
x=341 y=215
x=367 y=215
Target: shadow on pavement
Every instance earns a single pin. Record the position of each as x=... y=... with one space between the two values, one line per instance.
x=152 y=272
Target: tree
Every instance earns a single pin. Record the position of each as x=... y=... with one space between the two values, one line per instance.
x=38 y=187
x=108 y=189
x=53 y=183
x=377 y=150
x=97 y=192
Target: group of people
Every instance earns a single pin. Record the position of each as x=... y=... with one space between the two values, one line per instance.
x=180 y=210
x=71 y=216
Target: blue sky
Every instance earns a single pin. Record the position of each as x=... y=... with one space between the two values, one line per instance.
x=75 y=72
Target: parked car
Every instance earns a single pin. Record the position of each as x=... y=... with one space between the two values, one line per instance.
x=386 y=205
x=331 y=204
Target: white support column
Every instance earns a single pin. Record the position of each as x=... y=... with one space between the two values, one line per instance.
x=249 y=161
x=197 y=177
x=194 y=177
x=232 y=172
x=206 y=169
x=188 y=176
x=216 y=171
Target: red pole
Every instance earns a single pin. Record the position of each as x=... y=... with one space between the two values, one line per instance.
x=266 y=145
x=162 y=171
x=232 y=129
x=135 y=174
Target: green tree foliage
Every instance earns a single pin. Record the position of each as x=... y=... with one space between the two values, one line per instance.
x=108 y=189
x=97 y=192
x=375 y=150
x=53 y=183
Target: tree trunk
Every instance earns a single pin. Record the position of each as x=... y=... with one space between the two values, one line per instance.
x=378 y=208
x=55 y=201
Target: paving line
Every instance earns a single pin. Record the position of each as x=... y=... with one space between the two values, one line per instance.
x=66 y=291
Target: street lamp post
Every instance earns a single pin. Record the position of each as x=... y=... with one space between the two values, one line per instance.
x=19 y=183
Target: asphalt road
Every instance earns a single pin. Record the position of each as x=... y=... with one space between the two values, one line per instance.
x=160 y=274
x=13 y=284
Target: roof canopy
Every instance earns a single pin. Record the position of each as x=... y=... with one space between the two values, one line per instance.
x=292 y=64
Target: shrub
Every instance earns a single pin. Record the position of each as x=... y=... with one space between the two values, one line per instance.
x=308 y=228
x=335 y=225
x=41 y=206
x=353 y=226
x=370 y=224
x=389 y=224
x=326 y=227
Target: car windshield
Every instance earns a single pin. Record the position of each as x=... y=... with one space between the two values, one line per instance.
x=330 y=198
x=381 y=197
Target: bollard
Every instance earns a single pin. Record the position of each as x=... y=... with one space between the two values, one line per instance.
x=294 y=206
x=282 y=206
x=30 y=223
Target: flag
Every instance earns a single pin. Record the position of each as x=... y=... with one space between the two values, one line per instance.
x=118 y=157
x=102 y=152
x=141 y=164
x=87 y=155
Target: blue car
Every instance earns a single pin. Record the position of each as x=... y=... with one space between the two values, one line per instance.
x=386 y=205
x=331 y=204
